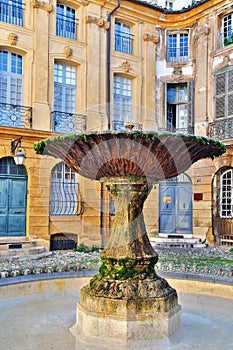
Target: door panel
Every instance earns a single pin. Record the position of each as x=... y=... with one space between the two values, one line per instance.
x=13 y=206
x=3 y=206
x=167 y=219
x=175 y=208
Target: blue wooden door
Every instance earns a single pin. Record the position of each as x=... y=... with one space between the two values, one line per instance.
x=175 y=207
x=13 y=194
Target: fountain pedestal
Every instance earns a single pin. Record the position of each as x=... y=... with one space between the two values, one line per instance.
x=127 y=301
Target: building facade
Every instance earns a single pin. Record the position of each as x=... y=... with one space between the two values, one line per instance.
x=76 y=66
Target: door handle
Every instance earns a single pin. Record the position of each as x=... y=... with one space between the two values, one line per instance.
x=17 y=212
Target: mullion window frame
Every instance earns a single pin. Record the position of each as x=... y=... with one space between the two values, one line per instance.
x=63 y=21
x=122 y=100
x=176 y=50
x=64 y=87
x=226 y=208
x=9 y=79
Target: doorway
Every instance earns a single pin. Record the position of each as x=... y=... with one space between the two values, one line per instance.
x=175 y=206
x=13 y=198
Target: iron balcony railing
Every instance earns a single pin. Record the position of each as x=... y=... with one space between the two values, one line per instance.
x=12 y=12
x=123 y=42
x=221 y=129
x=68 y=123
x=188 y=130
x=15 y=116
x=177 y=55
x=66 y=27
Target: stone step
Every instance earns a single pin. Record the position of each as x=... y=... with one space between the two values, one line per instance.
x=23 y=253
x=176 y=242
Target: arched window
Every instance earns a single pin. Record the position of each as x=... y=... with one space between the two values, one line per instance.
x=64 y=191
x=8 y=167
x=226 y=194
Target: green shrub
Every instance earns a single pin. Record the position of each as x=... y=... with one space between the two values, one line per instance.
x=82 y=248
x=231 y=250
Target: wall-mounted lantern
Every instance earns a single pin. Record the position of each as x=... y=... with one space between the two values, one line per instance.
x=19 y=156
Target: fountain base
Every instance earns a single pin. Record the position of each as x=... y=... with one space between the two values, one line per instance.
x=126 y=319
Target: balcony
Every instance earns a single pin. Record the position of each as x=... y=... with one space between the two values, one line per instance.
x=185 y=131
x=221 y=129
x=15 y=116
x=177 y=55
x=68 y=123
x=12 y=12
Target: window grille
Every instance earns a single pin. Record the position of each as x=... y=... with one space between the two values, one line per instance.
x=66 y=23
x=11 y=11
x=123 y=38
x=226 y=194
x=64 y=191
x=122 y=101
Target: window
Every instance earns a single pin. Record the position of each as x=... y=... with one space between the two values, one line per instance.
x=123 y=38
x=169 y=5
x=227 y=32
x=122 y=101
x=64 y=191
x=177 y=47
x=65 y=22
x=226 y=194
x=224 y=93
x=11 y=11
x=11 y=78
x=64 y=97
x=179 y=107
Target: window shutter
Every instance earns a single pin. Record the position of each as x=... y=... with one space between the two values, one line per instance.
x=230 y=92
x=190 y=105
x=220 y=103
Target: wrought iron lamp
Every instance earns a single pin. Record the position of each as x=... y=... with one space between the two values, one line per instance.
x=19 y=157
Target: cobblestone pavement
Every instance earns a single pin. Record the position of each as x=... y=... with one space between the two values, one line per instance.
x=169 y=259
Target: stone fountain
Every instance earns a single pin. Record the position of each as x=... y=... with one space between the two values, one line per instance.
x=127 y=301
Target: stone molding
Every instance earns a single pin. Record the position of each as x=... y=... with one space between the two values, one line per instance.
x=12 y=38
x=42 y=5
x=100 y=22
x=151 y=37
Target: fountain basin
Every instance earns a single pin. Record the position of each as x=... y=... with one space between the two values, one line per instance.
x=37 y=312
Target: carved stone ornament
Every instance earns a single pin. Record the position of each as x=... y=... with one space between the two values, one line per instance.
x=100 y=22
x=42 y=5
x=177 y=72
x=150 y=37
x=126 y=66
x=205 y=30
x=84 y=2
x=12 y=38
x=68 y=51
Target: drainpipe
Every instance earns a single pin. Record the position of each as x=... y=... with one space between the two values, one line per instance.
x=109 y=19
